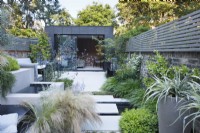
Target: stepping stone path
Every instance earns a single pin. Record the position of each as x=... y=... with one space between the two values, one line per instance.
x=110 y=124
x=107 y=109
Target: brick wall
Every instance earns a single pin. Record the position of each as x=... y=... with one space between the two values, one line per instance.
x=190 y=59
x=20 y=47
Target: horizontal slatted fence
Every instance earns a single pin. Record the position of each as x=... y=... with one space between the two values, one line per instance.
x=21 y=44
x=181 y=35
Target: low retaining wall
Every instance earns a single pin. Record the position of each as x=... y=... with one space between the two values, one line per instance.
x=24 y=77
x=19 y=98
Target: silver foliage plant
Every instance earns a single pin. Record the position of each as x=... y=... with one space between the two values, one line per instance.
x=185 y=90
x=193 y=106
x=134 y=61
x=163 y=87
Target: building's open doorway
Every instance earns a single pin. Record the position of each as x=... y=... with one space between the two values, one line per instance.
x=87 y=56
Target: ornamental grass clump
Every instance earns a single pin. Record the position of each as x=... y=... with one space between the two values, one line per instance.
x=62 y=112
x=12 y=64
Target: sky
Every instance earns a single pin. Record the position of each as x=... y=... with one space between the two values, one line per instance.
x=73 y=6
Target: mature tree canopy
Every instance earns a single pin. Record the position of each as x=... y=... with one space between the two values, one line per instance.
x=96 y=15
x=46 y=9
x=17 y=15
x=154 y=12
x=63 y=18
x=5 y=18
x=25 y=12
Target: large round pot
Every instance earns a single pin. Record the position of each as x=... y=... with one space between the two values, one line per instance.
x=106 y=65
x=167 y=114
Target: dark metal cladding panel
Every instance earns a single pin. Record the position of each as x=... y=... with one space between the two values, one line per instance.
x=75 y=30
x=107 y=31
x=58 y=30
x=87 y=30
x=100 y=30
x=67 y=30
x=80 y=30
x=49 y=30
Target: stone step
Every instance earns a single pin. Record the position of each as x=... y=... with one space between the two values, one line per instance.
x=109 y=124
x=108 y=99
x=102 y=98
x=106 y=109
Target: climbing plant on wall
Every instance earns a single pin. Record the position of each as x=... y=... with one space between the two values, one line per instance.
x=42 y=49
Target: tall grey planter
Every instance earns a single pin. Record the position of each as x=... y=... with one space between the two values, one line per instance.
x=167 y=114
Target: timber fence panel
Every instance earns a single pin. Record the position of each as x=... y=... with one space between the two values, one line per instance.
x=180 y=35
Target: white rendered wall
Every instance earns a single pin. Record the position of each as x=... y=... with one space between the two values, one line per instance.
x=24 y=77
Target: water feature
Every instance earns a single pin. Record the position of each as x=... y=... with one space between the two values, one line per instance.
x=34 y=88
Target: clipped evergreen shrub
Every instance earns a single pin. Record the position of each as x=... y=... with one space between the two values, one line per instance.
x=138 y=121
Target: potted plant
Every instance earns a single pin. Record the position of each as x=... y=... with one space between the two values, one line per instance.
x=171 y=93
x=106 y=50
x=194 y=105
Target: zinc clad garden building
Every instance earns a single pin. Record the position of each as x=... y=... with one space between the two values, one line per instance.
x=75 y=46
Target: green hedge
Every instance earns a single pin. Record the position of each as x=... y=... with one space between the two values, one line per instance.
x=138 y=121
